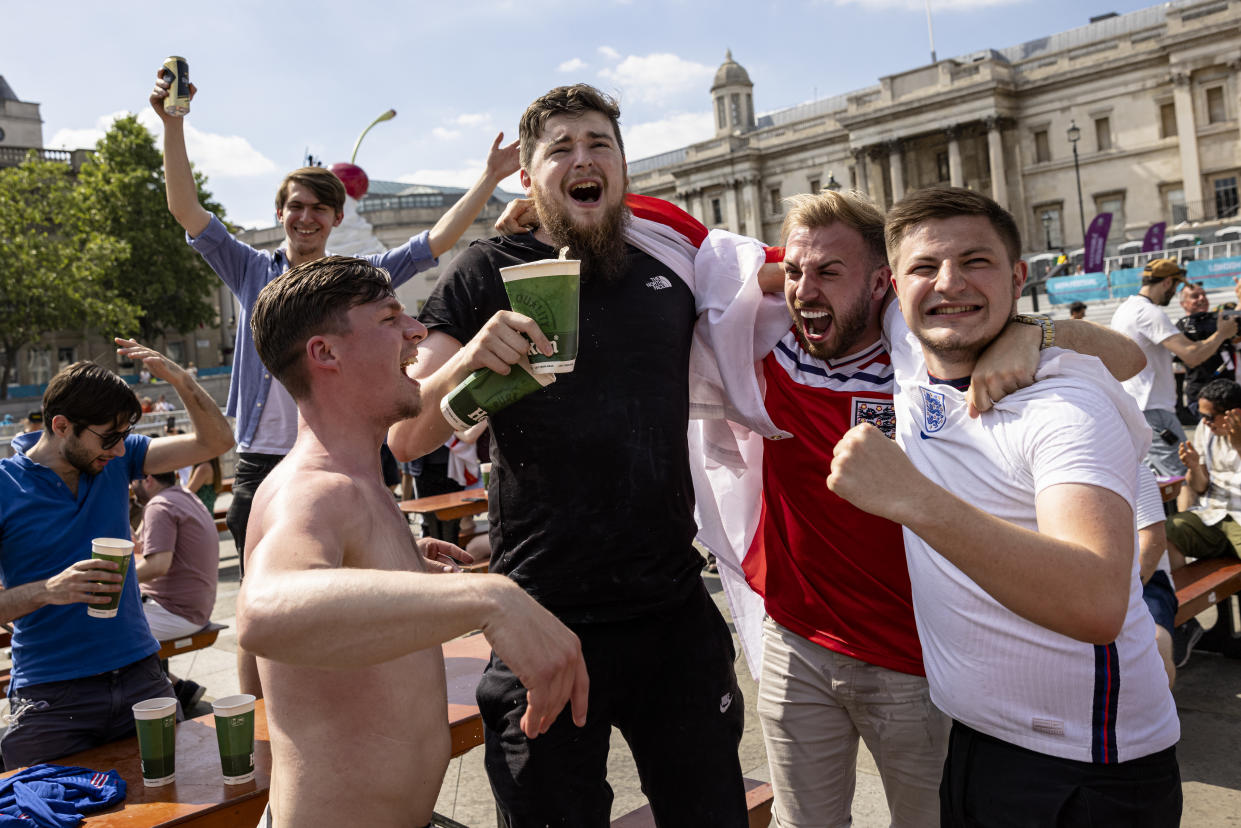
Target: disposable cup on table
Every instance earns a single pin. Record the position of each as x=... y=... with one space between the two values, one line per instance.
x=120 y=551
x=156 y=723
x=234 y=732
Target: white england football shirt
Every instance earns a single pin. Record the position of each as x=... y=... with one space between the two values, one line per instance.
x=988 y=667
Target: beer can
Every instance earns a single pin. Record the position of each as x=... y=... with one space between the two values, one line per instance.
x=177 y=73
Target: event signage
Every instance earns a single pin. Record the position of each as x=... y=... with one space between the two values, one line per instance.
x=1096 y=242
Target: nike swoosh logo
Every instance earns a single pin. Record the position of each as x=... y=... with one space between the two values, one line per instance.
x=924 y=435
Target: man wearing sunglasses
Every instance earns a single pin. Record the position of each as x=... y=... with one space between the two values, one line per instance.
x=1211 y=528
x=74 y=676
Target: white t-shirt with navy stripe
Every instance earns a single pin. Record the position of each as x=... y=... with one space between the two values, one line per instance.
x=989 y=668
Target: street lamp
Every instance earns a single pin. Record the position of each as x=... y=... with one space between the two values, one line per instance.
x=387 y=116
x=832 y=183
x=1075 y=135
x=1047 y=227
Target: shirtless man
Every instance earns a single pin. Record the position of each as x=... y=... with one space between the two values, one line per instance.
x=342 y=608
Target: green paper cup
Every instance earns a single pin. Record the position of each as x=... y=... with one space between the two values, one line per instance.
x=234 y=731
x=156 y=723
x=485 y=468
x=486 y=392
x=120 y=552
x=547 y=291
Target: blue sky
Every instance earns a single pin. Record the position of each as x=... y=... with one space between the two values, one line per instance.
x=277 y=79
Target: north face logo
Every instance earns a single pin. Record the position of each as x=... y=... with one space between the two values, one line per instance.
x=658 y=283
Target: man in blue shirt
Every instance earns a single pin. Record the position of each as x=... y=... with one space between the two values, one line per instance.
x=74 y=676
x=309 y=203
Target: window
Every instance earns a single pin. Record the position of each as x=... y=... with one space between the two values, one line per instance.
x=1226 y=197
x=815 y=185
x=734 y=101
x=1174 y=204
x=942 y=168
x=64 y=358
x=853 y=178
x=1216 y=113
x=1167 y=120
x=774 y=194
x=717 y=214
x=176 y=352
x=1042 y=149
x=1103 y=133
x=1048 y=220
x=749 y=109
x=1113 y=203
x=720 y=115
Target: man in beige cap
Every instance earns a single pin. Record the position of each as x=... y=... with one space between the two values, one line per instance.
x=1142 y=319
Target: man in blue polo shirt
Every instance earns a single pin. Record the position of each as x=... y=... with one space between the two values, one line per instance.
x=74 y=676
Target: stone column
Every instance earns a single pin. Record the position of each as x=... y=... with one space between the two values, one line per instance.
x=754 y=216
x=732 y=211
x=859 y=161
x=995 y=156
x=1187 y=137
x=956 y=174
x=896 y=166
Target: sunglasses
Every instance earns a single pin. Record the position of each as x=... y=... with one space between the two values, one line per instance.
x=1210 y=418
x=107 y=441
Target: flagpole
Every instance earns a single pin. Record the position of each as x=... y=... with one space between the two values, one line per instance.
x=930 y=31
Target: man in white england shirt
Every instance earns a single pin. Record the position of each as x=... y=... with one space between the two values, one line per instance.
x=1020 y=543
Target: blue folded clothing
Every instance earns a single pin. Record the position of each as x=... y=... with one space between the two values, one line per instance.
x=55 y=796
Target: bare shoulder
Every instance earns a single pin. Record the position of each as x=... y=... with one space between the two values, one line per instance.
x=302 y=516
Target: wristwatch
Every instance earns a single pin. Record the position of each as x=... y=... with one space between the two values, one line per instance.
x=1043 y=321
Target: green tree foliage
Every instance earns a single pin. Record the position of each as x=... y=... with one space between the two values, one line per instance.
x=122 y=193
x=54 y=265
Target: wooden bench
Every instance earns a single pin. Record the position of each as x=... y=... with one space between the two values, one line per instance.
x=199 y=640
x=757 y=801
x=1209 y=582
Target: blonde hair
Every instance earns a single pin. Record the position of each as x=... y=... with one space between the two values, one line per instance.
x=851 y=208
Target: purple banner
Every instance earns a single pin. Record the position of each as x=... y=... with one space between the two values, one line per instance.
x=1154 y=237
x=1096 y=241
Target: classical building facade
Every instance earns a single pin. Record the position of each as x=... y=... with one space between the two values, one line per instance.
x=1152 y=98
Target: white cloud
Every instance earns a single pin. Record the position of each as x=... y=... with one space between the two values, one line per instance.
x=937 y=6
x=609 y=53
x=475 y=119
x=446 y=134
x=653 y=137
x=572 y=65
x=216 y=156
x=659 y=78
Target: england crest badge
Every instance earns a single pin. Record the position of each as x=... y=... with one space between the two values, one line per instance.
x=934 y=414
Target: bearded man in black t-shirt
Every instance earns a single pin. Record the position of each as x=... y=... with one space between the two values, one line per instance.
x=591 y=498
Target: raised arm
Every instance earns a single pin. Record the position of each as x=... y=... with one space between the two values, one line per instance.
x=1010 y=361
x=1069 y=577
x=295 y=587
x=178 y=176
x=1195 y=353
x=212 y=435
x=443 y=363
x=501 y=163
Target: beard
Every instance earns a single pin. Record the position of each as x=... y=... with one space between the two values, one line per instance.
x=600 y=247
x=80 y=458
x=848 y=324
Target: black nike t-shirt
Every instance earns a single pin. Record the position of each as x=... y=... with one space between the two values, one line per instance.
x=591 y=500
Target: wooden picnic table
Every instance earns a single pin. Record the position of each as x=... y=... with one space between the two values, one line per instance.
x=448 y=506
x=199 y=796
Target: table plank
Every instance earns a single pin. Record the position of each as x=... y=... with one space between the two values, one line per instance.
x=448 y=506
